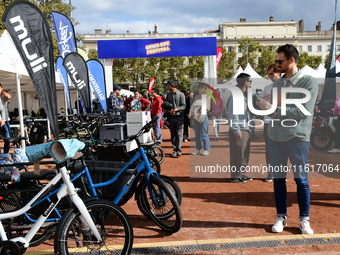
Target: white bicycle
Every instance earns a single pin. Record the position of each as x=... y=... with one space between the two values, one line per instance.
x=94 y=227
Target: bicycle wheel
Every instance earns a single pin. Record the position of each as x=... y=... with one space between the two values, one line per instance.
x=161 y=204
x=321 y=138
x=174 y=187
x=73 y=237
x=158 y=152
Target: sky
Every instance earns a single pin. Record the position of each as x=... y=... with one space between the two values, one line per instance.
x=194 y=16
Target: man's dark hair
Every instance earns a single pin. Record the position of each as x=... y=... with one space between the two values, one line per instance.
x=289 y=50
x=156 y=90
x=173 y=83
x=273 y=65
x=242 y=78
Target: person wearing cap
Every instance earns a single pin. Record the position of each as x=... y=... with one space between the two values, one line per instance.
x=115 y=105
x=176 y=116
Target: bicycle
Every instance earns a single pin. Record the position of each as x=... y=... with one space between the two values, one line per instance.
x=163 y=196
x=87 y=223
x=158 y=197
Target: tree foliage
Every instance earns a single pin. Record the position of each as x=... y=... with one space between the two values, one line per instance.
x=226 y=67
x=312 y=61
x=250 y=51
x=267 y=57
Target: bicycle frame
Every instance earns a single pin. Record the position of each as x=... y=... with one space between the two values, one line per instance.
x=66 y=189
x=144 y=164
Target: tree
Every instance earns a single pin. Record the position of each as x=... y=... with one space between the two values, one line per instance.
x=267 y=57
x=226 y=67
x=92 y=54
x=250 y=50
x=305 y=59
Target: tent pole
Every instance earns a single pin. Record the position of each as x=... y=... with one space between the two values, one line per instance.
x=21 y=116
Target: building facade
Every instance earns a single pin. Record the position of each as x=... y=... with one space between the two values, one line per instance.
x=270 y=33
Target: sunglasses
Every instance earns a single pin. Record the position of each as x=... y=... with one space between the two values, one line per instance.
x=280 y=61
x=250 y=81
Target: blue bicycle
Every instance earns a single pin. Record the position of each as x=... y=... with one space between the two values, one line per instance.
x=158 y=196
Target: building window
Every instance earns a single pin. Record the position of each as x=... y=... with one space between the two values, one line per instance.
x=319 y=47
x=309 y=48
x=230 y=48
x=300 y=48
x=239 y=49
x=328 y=47
x=338 y=48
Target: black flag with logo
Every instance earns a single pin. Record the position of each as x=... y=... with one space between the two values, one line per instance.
x=76 y=68
x=31 y=35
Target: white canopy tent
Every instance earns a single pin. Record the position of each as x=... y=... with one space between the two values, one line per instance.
x=125 y=92
x=321 y=70
x=15 y=80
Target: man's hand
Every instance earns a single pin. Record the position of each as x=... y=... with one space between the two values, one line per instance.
x=173 y=111
x=238 y=136
x=263 y=104
x=2 y=123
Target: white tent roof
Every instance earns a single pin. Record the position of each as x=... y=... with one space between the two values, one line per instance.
x=312 y=72
x=12 y=64
x=125 y=92
x=321 y=69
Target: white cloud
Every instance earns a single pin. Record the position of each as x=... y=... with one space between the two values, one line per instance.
x=188 y=16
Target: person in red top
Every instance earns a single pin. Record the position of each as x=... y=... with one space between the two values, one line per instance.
x=156 y=109
x=136 y=103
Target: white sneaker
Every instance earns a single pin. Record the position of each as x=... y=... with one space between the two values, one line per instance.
x=334 y=150
x=196 y=152
x=205 y=153
x=305 y=227
x=280 y=224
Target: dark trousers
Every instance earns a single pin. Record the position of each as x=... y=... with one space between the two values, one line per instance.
x=239 y=152
x=186 y=127
x=176 y=124
x=6 y=132
x=157 y=128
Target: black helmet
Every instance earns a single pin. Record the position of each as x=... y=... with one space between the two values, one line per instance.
x=173 y=83
x=167 y=106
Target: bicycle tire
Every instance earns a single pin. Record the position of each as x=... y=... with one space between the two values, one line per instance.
x=321 y=138
x=165 y=201
x=173 y=185
x=158 y=152
x=73 y=237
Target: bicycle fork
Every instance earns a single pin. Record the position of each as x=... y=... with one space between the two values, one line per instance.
x=78 y=202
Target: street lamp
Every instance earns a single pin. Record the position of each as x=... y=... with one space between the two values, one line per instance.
x=247 y=45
